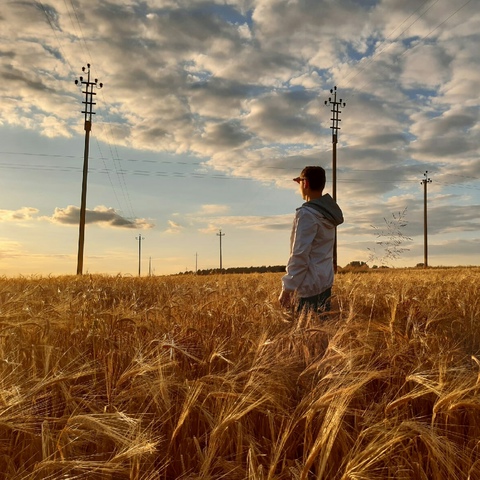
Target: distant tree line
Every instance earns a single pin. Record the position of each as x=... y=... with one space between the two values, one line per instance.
x=357 y=266
x=217 y=271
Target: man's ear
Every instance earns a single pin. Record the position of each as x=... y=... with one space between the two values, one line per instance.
x=306 y=183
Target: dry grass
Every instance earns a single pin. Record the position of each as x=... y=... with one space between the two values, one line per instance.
x=206 y=378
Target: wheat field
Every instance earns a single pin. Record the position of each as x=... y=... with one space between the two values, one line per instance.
x=187 y=377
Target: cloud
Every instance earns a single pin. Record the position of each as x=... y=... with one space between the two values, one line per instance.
x=173 y=227
x=9 y=248
x=211 y=209
x=219 y=98
x=283 y=117
x=427 y=67
x=210 y=228
x=101 y=215
x=242 y=86
x=211 y=218
x=443 y=218
x=215 y=79
x=250 y=222
x=21 y=215
x=455 y=248
x=453 y=218
x=449 y=135
x=225 y=135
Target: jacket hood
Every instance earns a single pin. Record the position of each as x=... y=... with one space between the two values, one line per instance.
x=327 y=206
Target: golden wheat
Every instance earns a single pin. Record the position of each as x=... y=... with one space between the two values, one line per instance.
x=191 y=377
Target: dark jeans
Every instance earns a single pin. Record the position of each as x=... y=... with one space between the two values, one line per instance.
x=318 y=303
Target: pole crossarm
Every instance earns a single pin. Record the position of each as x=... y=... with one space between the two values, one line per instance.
x=335 y=113
x=88 y=92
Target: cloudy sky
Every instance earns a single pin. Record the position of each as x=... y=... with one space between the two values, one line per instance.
x=210 y=108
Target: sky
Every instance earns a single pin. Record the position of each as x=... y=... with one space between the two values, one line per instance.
x=208 y=109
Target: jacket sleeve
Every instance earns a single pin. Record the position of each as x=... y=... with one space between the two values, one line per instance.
x=303 y=234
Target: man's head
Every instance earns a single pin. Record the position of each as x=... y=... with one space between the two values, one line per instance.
x=315 y=178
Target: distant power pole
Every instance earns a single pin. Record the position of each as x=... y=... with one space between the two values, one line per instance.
x=89 y=103
x=425 y=182
x=335 y=128
x=220 y=234
x=139 y=238
x=196 y=263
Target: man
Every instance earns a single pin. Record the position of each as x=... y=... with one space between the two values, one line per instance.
x=309 y=278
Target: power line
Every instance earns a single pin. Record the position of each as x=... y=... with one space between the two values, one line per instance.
x=437 y=27
x=120 y=176
x=167 y=162
x=58 y=155
x=108 y=175
x=41 y=7
x=457 y=185
x=145 y=173
x=80 y=27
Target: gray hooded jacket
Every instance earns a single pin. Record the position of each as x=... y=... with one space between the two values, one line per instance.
x=310 y=266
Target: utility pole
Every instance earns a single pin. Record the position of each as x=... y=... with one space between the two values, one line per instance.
x=425 y=182
x=196 y=263
x=89 y=103
x=139 y=238
x=220 y=235
x=335 y=128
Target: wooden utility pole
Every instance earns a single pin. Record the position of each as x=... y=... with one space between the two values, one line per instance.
x=89 y=103
x=425 y=182
x=335 y=128
x=220 y=234
x=139 y=238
